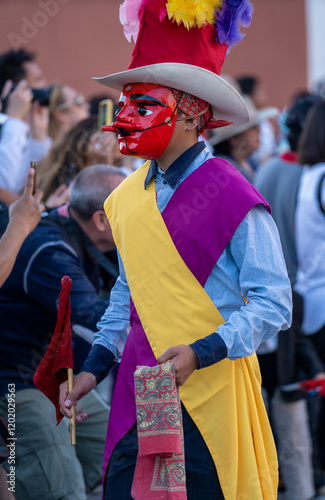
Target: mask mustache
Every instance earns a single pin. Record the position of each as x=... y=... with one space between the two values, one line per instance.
x=121 y=128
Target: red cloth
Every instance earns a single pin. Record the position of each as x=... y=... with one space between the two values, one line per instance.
x=167 y=41
x=192 y=105
x=314 y=385
x=289 y=156
x=52 y=370
x=160 y=468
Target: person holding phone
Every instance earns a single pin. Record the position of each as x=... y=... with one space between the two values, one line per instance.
x=24 y=134
x=24 y=215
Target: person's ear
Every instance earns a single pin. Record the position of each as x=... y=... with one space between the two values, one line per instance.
x=191 y=124
x=99 y=219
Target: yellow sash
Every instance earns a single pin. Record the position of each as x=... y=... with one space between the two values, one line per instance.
x=224 y=400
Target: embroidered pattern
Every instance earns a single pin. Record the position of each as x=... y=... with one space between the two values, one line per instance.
x=160 y=429
x=191 y=105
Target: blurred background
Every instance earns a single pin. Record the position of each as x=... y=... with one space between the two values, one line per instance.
x=77 y=39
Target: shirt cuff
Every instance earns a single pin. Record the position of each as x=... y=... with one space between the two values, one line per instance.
x=15 y=126
x=99 y=362
x=210 y=350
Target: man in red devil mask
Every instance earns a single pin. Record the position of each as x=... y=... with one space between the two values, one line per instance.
x=148 y=114
x=146 y=120
x=202 y=283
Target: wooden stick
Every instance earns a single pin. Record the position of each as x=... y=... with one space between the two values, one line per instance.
x=73 y=418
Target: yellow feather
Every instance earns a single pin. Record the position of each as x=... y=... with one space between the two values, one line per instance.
x=193 y=13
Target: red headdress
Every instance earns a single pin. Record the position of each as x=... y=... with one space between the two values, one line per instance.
x=182 y=44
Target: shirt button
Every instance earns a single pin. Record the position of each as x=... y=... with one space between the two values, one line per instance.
x=164 y=182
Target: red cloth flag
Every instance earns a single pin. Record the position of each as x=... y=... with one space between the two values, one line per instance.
x=52 y=370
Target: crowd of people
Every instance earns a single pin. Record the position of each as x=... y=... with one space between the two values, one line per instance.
x=56 y=225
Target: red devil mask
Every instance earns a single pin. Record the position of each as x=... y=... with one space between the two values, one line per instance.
x=146 y=120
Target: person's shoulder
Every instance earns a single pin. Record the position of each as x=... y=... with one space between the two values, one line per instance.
x=132 y=182
x=46 y=237
x=228 y=165
x=231 y=174
x=314 y=170
x=221 y=160
x=275 y=166
x=268 y=171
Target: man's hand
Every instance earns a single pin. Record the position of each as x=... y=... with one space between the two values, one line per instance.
x=183 y=358
x=84 y=382
x=25 y=213
x=60 y=196
x=19 y=101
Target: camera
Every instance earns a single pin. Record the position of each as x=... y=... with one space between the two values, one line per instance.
x=40 y=95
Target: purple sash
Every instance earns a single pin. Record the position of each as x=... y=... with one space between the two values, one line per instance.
x=201 y=217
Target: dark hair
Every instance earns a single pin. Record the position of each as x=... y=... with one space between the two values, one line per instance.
x=11 y=65
x=247 y=84
x=311 y=146
x=296 y=117
x=222 y=149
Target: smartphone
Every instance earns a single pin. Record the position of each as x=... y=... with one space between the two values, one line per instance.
x=105 y=113
x=33 y=165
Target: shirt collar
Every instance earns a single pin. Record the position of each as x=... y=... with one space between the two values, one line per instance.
x=176 y=170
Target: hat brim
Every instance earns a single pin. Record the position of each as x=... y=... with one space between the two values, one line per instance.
x=222 y=134
x=227 y=104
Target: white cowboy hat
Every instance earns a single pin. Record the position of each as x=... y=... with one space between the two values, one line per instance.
x=227 y=104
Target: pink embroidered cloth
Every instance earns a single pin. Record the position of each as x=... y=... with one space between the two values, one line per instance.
x=160 y=468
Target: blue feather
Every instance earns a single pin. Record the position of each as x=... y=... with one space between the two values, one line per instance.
x=233 y=15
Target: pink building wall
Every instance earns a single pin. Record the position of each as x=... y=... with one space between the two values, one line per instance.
x=274 y=48
x=78 y=39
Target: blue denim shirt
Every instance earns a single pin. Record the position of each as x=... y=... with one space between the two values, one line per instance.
x=251 y=266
